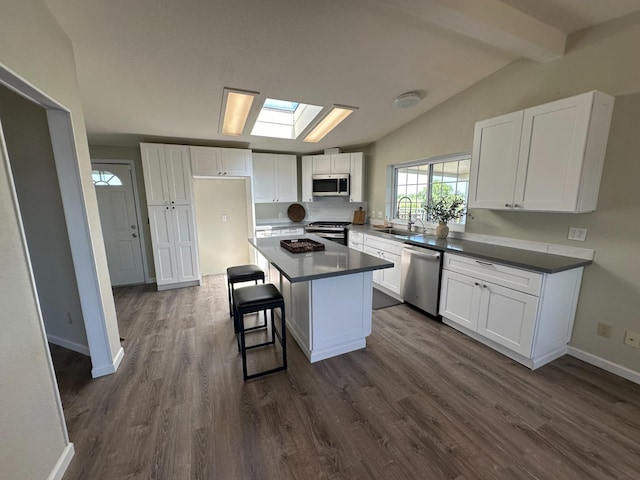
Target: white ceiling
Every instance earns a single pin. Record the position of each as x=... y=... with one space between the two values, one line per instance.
x=155 y=69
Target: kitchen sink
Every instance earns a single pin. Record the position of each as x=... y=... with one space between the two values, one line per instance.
x=399 y=231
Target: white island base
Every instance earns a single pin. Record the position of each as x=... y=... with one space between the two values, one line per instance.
x=327 y=316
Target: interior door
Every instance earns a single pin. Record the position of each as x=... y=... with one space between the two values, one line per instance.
x=120 y=229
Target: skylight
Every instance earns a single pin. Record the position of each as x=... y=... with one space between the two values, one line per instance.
x=284 y=118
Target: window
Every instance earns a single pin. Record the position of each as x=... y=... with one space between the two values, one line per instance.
x=105 y=177
x=416 y=184
x=284 y=119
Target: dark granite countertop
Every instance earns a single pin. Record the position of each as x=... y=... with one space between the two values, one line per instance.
x=335 y=260
x=515 y=257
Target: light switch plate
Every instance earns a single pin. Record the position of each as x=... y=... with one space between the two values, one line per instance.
x=576 y=233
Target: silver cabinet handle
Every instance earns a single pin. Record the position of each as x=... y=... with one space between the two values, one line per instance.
x=508 y=205
x=485 y=263
x=515 y=205
x=134 y=235
x=476 y=284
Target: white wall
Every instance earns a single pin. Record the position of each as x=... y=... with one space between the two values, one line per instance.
x=35 y=48
x=603 y=58
x=220 y=243
x=34 y=173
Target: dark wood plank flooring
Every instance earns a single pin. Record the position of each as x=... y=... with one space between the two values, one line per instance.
x=422 y=401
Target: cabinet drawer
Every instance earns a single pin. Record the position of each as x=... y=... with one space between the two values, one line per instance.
x=510 y=277
x=383 y=244
x=356 y=237
x=291 y=231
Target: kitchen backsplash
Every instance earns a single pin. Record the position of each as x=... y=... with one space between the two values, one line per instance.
x=329 y=208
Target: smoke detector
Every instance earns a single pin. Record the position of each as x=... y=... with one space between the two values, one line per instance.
x=407 y=100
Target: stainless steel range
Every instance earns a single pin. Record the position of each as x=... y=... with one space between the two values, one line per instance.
x=334 y=231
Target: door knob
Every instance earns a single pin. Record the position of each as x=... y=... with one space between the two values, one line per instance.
x=134 y=235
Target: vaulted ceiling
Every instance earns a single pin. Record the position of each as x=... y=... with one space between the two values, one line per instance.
x=155 y=69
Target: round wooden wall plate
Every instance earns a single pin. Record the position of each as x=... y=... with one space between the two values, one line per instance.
x=296 y=212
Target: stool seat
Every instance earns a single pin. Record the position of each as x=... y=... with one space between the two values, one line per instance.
x=263 y=297
x=241 y=274
x=244 y=273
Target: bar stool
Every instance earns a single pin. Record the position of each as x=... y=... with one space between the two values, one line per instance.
x=253 y=299
x=240 y=274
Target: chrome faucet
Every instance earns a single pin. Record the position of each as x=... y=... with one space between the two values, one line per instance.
x=410 y=222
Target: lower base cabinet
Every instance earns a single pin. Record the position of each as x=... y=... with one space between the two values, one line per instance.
x=389 y=278
x=528 y=316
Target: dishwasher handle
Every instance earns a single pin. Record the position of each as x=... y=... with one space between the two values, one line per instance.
x=422 y=252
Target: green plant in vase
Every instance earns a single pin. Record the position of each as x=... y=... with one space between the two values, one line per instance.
x=443 y=209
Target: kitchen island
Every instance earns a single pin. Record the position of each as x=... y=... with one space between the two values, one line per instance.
x=327 y=294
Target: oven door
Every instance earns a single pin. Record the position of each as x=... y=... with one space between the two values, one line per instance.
x=338 y=237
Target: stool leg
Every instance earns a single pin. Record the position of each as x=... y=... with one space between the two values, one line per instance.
x=229 y=287
x=243 y=348
x=273 y=327
x=284 y=339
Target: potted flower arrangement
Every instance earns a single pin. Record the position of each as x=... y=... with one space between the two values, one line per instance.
x=444 y=209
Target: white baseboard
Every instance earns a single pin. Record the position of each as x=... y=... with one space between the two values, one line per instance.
x=103 y=370
x=611 y=367
x=63 y=462
x=61 y=342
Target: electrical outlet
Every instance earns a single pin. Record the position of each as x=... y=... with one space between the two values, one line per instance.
x=604 y=330
x=380 y=215
x=224 y=217
x=576 y=233
x=631 y=339
x=280 y=214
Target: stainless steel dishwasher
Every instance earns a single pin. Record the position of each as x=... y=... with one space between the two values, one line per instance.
x=420 y=285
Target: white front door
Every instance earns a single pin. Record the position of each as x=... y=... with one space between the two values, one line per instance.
x=120 y=229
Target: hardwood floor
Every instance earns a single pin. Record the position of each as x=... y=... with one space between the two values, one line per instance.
x=422 y=401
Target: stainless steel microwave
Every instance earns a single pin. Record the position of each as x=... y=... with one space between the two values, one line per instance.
x=336 y=185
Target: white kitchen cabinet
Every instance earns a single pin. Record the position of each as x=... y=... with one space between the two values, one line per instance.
x=220 y=162
x=167 y=174
x=168 y=184
x=275 y=178
x=307 y=173
x=389 y=278
x=351 y=163
x=525 y=315
x=545 y=158
x=356 y=177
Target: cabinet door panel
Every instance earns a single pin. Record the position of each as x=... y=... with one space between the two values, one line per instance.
x=321 y=164
x=508 y=317
x=341 y=163
x=377 y=274
x=356 y=179
x=186 y=245
x=392 y=277
x=164 y=254
x=496 y=144
x=551 y=154
x=286 y=172
x=179 y=174
x=155 y=174
x=236 y=162
x=206 y=161
x=460 y=299
x=307 y=172
x=264 y=182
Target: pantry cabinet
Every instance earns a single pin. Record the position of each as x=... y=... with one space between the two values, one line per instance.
x=525 y=315
x=168 y=185
x=546 y=158
x=220 y=162
x=275 y=178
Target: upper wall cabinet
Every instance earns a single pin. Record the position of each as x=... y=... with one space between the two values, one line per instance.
x=167 y=174
x=351 y=163
x=275 y=178
x=220 y=162
x=547 y=158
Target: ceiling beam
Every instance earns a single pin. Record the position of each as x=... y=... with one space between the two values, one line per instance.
x=491 y=22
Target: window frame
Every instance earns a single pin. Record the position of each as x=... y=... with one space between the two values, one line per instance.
x=393 y=189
